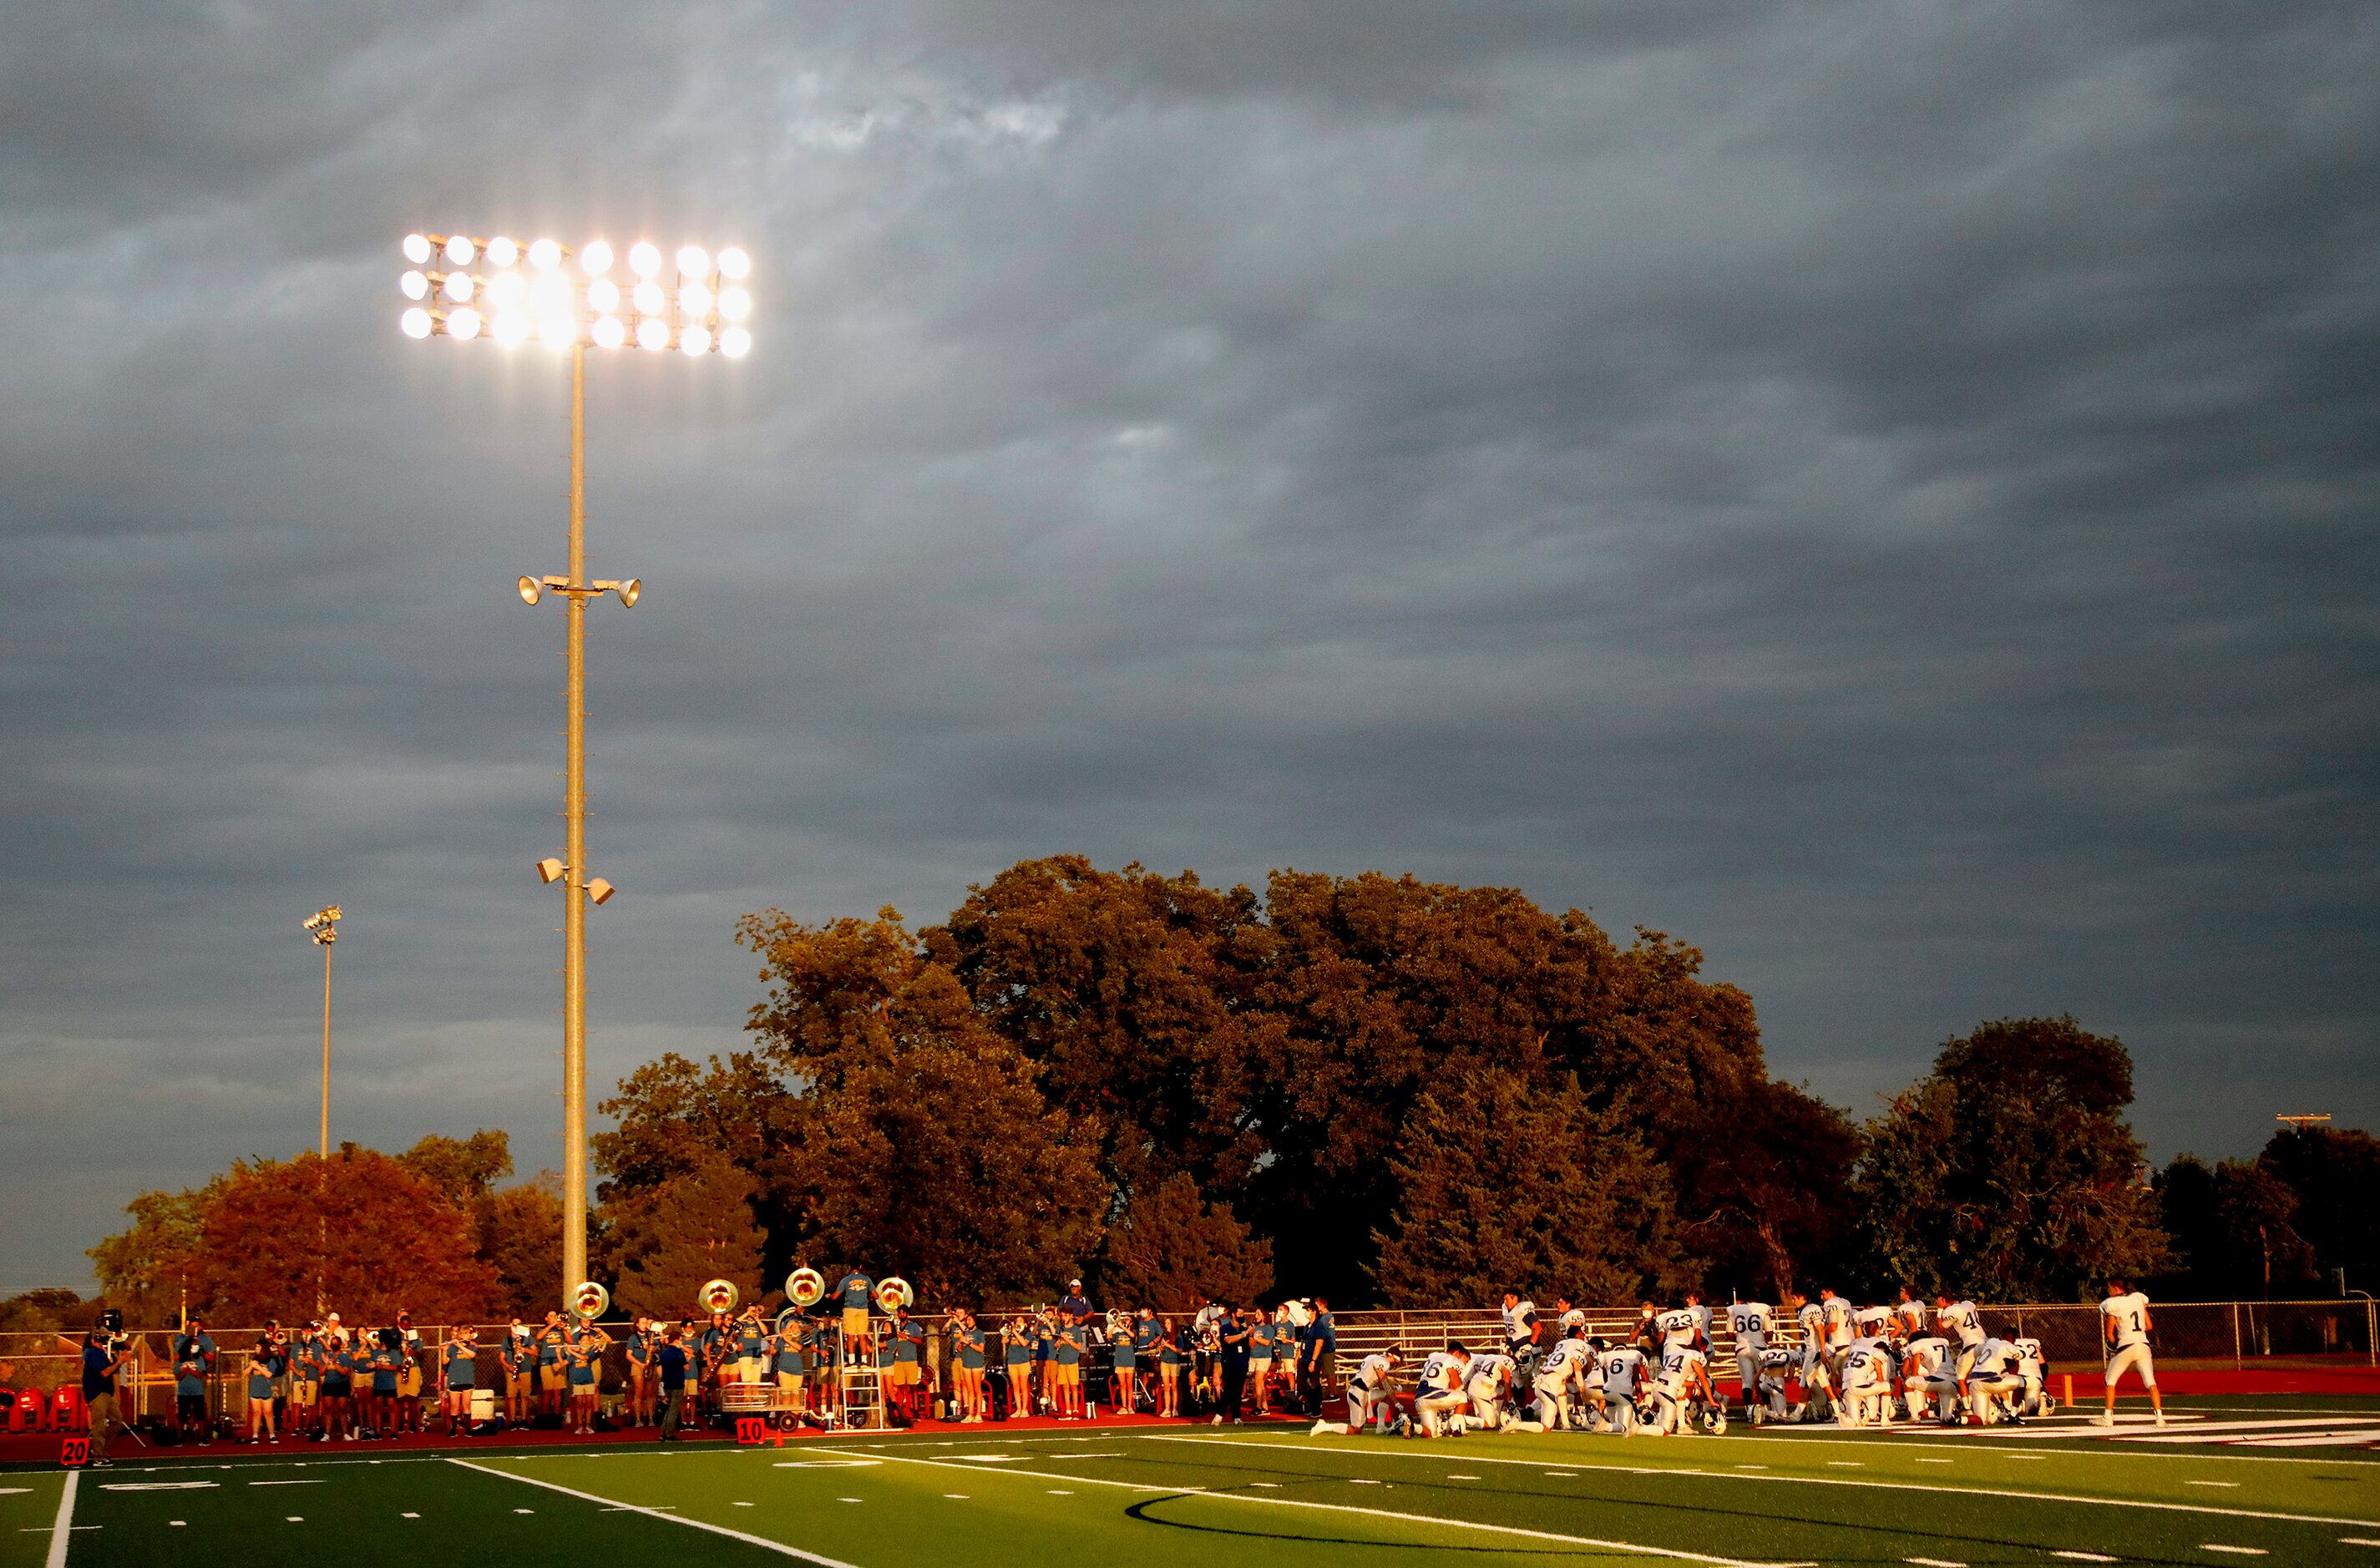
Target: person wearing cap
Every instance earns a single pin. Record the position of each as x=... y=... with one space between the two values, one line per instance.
x=1076 y=1308
x=101 y=1358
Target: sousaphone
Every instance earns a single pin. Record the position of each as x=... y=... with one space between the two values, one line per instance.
x=719 y=1295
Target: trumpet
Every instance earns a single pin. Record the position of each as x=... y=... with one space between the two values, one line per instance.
x=589 y=1301
x=806 y=1287
x=719 y=1295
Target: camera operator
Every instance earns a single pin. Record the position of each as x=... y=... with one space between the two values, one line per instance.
x=103 y=1353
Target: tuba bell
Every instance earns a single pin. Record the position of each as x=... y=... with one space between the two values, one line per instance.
x=806 y=1287
x=719 y=1295
x=893 y=1293
x=590 y=1301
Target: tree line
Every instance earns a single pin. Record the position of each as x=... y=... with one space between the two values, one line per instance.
x=1370 y=1087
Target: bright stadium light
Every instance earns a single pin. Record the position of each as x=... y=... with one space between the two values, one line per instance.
x=568 y=310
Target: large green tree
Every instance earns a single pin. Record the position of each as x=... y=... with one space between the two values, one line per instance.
x=668 y=1241
x=1507 y=1185
x=2009 y=1172
x=1172 y=1249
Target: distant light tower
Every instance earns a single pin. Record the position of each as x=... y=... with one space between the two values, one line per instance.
x=534 y=290
x=324 y=924
x=2300 y=1123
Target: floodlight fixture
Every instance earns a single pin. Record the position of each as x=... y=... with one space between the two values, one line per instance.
x=598 y=891
x=645 y=259
x=502 y=252
x=734 y=265
x=693 y=261
x=530 y=589
x=595 y=259
x=608 y=332
x=549 y=871
x=417 y=249
x=629 y=590
x=545 y=254
x=414 y=285
x=603 y=296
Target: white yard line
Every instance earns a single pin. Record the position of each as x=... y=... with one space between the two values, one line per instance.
x=62 y=1528
x=1386 y=1451
x=761 y=1541
x=1347 y=1508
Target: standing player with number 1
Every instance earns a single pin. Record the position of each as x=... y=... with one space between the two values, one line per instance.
x=2124 y=1323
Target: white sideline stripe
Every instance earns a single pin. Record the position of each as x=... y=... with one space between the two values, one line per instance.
x=1351 y=1508
x=1895 y=1437
x=761 y=1541
x=62 y=1527
x=1838 y=1481
x=2321 y=1439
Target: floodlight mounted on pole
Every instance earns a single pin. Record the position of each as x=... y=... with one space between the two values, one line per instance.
x=464 y=287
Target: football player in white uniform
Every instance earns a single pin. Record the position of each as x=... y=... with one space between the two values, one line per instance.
x=1810 y=1320
x=1560 y=1374
x=1570 y=1317
x=2124 y=1326
x=1960 y=1320
x=1621 y=1366
x=1867 y=1384
x=1686 y=1374
x=1748 y=1322
x=1988 y=1377
x=1678 y=1328
x=1701 y=1320
x=1910 y=1315
x=1776 y=1367
x=1371 y=1394
x=2032 y=1373
x=1925 y=1375
x=1520 y=1322
x=1489 y=1382
x=1835 y=1314
x=1438 y=1397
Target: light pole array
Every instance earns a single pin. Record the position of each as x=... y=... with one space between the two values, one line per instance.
x=498 y=288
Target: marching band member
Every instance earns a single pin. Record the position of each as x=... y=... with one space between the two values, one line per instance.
x=750 y=1345
x=1069 y=1362
x=1016 y=1355
x=710 y=1351
x=1124 y=1360
x=518 y=1357
x=462 y=1375
x=1260 y=1342
x=907 y=1339
x=966 y=1343
x=585 y=1355
x=855 y=1291
x=1170 y=1360
x=783 y=1351
x=640 y=1371
x=1439 y=1396
x=552 y=1341
x=1371 y=1394
x=1748 y=1321
x=260 y=1396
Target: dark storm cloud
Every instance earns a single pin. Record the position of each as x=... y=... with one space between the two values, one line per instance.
x=1885 y=494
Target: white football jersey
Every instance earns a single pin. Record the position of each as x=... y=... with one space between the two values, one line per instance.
x=1813 y=1319
x=1488 y=1369
x=1443 y=1370
x=1621 y=1369
x=1563 y=1360
x=1573 y=1319
x=1749 y=1322
x=1961 y=1318
x=1373 y=1372
x=2130 y=1316
x=2028 y=1359
x=1866 y=1364
x=1677 y=1328
x=1871 y=1321
x=1926 y=1355
x=1911 y=1315
x=1678 y=1364
x=1836 y=1314
x=1517 y=1319
x=1994 y=1358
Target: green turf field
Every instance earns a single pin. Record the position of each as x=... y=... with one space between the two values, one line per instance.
x=1201 y=1496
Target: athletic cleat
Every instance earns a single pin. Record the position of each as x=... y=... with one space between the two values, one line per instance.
x=2103 y=1420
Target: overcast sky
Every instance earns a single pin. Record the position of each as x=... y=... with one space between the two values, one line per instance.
x=1884 y=492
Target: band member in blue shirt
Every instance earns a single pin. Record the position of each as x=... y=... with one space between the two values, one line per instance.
x=462 y=1376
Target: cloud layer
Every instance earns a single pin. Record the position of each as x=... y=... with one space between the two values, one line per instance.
x=1887 y=496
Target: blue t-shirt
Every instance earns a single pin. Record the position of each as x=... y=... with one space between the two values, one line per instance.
x=383 y=1365
x=1326 y=1337
x=97 y=1378
x=1260 y=1343
x=259 y=1383
x=970 y=1344
x=462 y=1371
x=671 y=1359
x=856 y=1290
x=1070 y=1346
x=910 y=1341
x=1020 y=1351
x=789 y=1355
x=188 y=1381
x=750 y=1343
x=1126 y=1357
x=340 y=1370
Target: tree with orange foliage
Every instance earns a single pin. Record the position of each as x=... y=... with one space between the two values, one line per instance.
x=373 y=1232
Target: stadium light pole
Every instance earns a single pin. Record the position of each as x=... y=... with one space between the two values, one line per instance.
x=464 y=287
x=323 y=924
